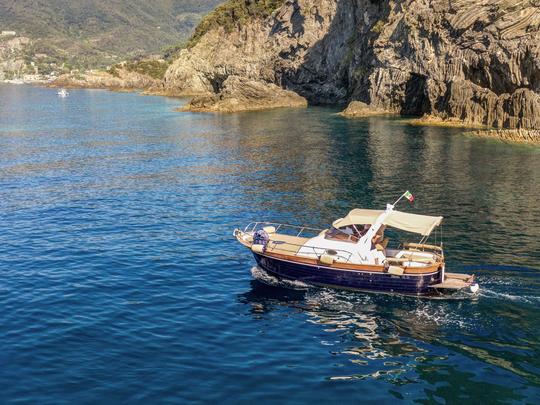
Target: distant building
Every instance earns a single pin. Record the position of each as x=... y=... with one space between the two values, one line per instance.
x=8 y=34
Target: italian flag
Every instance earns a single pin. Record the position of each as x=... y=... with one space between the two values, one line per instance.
x=408 y=195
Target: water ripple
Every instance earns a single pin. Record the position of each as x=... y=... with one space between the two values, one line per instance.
x=121 y=282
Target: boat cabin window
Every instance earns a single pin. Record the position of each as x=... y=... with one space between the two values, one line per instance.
x=353 y=233
x=345 y=234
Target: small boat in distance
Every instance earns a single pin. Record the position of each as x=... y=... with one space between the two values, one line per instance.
x=355 y=254
x=62 y=93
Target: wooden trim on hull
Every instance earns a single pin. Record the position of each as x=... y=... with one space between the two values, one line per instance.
x=364 y=280
x=353 y=267
x=348 y=266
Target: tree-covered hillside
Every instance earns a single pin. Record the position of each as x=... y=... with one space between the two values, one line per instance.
x=98 y=32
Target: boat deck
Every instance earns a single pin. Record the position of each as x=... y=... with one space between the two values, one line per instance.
x=454 y=281
x=290 y=245
x=285 y=244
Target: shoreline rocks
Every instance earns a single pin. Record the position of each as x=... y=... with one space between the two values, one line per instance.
x=240 y=94
x=358 y=109
x=524 y=136
x=434 y=121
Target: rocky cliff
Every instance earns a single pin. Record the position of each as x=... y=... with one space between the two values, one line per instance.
x=473 y=61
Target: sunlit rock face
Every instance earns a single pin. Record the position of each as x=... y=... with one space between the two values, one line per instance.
x=240 y=94
x=478 y=62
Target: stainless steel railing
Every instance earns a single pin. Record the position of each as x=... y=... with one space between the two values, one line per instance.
x=294 y=249
x=255 y=226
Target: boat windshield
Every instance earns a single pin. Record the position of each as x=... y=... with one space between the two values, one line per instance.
x=350 y=233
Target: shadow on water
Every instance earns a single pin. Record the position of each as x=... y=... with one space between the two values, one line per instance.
x=316 y=170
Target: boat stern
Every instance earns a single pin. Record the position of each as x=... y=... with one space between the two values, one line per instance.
x=454 y=282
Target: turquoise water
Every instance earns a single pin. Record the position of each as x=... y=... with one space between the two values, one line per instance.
x=121 y=281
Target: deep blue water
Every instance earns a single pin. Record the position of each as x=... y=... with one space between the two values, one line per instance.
x=121 y=282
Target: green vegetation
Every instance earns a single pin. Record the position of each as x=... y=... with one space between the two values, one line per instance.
x=171 y=52
x=98 y=33
x=234 y=13
x=378 y=27
x=71 y=35
x=153 y=68
x=113 y=70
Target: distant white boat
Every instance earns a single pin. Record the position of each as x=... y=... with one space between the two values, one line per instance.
x=63 y=93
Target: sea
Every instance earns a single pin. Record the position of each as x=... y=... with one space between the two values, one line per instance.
x=121 y=281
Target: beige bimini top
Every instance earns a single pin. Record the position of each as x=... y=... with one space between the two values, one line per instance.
x=421 y=224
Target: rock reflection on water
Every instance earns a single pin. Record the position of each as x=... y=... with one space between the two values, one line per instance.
x=317 y=168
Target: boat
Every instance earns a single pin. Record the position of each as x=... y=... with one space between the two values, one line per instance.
x=62 y=93
x=356 y=254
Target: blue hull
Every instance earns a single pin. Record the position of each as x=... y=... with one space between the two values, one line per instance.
x=355 y=280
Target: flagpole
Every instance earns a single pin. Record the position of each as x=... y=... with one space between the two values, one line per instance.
x=366 y=238
x=399 y=199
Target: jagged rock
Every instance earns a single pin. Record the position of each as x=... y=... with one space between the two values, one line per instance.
x=481 y=106
x=261 y=50
x=478 y=62
x=240 y=94
x=528 y=136
x=358 y=109
x=432 y=120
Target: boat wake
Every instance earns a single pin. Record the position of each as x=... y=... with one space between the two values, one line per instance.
x=344 y=309
x=426 y=313
x=526 y=299
x=262 y=276
x=508 y=283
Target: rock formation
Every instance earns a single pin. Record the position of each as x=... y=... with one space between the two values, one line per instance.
x=474 y=61
x=241 y=94
x=525 y=136
x=358 y=109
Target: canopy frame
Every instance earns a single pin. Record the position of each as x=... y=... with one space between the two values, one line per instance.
x=419 y=224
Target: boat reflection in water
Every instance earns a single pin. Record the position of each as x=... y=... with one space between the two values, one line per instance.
x=391 y=339
x=356 y=329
